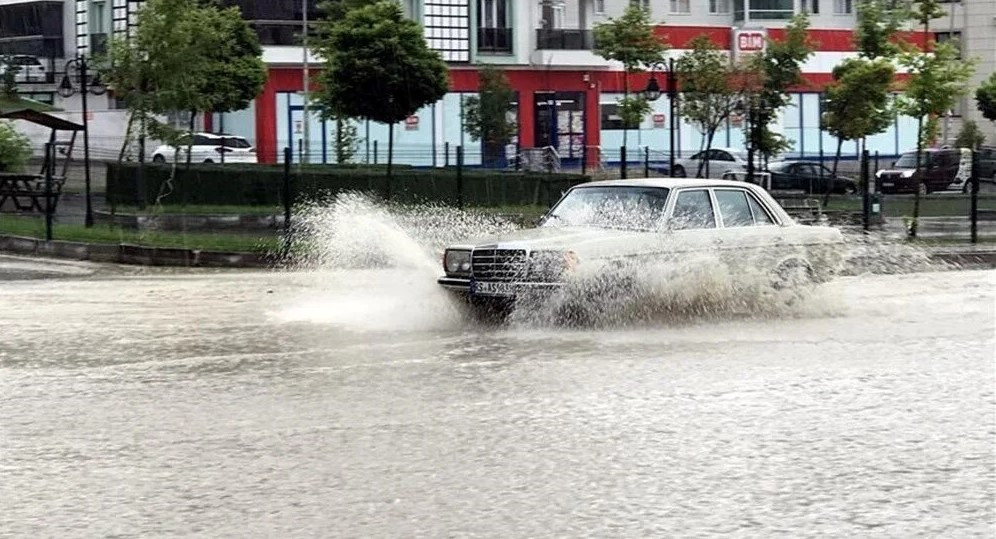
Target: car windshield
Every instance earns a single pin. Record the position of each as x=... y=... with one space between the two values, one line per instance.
x=908 y=160
x=778 y=167
x=636 y=208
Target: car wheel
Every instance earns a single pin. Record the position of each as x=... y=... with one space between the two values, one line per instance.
x=792 y=274
x=679 y=171
x=850 y=189
x=158 y=158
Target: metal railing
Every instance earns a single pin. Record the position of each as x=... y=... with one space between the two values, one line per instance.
x=565 y=39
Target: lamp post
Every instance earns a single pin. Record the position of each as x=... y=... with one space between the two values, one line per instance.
x=79 y=67
x=653 y=92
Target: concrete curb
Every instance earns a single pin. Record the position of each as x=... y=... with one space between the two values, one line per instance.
x=131 y=254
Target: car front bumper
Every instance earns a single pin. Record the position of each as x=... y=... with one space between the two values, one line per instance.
x=494 y=289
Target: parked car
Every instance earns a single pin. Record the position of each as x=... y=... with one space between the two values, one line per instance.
x=611 y=227
x=210 y=148
x=809 y=176
x=987 y=163
x=721 y=161
x=941 y=170
x=29 y=68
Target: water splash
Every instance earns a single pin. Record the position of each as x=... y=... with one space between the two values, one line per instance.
x=375 y=267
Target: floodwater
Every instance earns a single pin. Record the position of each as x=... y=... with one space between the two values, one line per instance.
x=355 y=399
x=359 y=403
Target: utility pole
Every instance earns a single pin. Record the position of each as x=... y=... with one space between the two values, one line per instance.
x=304 y=76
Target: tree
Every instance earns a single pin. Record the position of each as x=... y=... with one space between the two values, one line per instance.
x=970 y=136
x=15 y=148
x=8 y=77
x=630 y=40
x=708 y=94
x=378 y=67
x=486 y=116
x=858 y=104
x=778 y=68
x=985 y=98
x=184 y=56
x=936 y=79
x=878 y=23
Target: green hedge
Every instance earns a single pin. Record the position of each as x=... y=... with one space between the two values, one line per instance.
x=261 y=185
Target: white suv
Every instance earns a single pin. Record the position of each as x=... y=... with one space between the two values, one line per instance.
x=209 y=148
x=29 y=68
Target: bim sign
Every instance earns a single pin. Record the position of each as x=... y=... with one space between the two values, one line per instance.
x=750 y=41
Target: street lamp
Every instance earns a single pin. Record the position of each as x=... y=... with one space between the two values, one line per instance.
x=653 y=92
x=78 y=66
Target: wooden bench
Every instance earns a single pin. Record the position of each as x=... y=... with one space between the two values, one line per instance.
x=27 y=193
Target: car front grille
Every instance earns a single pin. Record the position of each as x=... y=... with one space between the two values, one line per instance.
x=503 y=265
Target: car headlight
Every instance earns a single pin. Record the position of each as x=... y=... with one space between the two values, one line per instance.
x=908 y=173
x=550 y=266
x=457 y=262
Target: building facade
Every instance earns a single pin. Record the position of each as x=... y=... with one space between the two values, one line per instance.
x=566 y=94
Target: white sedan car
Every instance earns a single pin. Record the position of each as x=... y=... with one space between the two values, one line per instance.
x=721 y=161
x=623 y=227
x=209 y=148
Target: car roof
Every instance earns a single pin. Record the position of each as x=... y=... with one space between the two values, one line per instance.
x=670 y=183
x=217 y=135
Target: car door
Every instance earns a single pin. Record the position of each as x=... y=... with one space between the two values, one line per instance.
x=692 y=221
x=781 y=177
x=748 y=234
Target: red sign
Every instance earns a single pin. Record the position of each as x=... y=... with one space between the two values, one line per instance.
x=750 y=41
x=411 y=123
x=659 y=120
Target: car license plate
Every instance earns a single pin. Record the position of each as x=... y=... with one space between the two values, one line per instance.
x=888 y=184
x=488 y=288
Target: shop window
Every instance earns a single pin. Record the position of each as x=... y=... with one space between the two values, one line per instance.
x=611 y=120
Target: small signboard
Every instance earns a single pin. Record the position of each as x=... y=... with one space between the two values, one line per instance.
x=749 y=41
x=660 y=121
x=299 y=126
x=736 y=120
x=411 y=123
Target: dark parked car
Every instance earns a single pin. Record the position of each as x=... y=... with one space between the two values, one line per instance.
x=808 y=176
x=941 y=169
x=987 y=163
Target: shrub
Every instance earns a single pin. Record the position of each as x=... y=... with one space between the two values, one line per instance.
x=15 y=148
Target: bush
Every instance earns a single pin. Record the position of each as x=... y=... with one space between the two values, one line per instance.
x=262 y=185
x=15 y=148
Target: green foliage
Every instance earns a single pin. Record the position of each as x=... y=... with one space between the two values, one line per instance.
x=15 y=148
x=858 y=103
x=346 y=140
x=970 y=136
x=632 y=110
x=235 y=73
x=985 y=98
x=708 y=94
x=878 y=22
x=378 y=65
x=261 y=185
x=936 y=82
x=924 y=11
x=629 y=40
x=486 y=116
x=778 y=69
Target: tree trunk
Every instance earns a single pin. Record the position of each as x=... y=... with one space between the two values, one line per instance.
x=625 y=97
x=190 y=143
x=390 y=156
x=833 y=173
x=919 y=177
x=127 y=137
x=339 y=150
x=708 y=146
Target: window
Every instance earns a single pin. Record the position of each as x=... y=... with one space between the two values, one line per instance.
x=720 y=155
x=611 y=119
x=693 y=209
x=953 y=37
x=491 y=13
x=761 y=216
x=719 y=6
x=599 y=7
x=772 y=9
x=97 y=18
x=734 y=208
x=843 y=7
x=811 y=6
x=680 y=6
x=447 y=28
x=645 y=4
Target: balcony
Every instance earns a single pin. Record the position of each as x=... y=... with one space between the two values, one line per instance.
x=494 y=40
x=563 y=39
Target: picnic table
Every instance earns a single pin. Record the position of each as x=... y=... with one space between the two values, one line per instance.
x=26 y=192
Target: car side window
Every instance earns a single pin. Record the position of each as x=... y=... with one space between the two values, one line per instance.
x=202 y=141
x=734 y=208
x=761 y=215
x=700 y=155
x=693 y=209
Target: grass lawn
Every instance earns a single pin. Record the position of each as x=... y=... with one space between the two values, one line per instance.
x=200 y=209
x=34 y=227
x=933 y=205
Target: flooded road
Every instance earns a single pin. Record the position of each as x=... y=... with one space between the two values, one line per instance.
x=359 y=403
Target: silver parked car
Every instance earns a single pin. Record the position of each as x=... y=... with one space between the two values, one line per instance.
x=610 y=227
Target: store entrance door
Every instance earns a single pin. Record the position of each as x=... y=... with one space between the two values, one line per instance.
x=560 y=123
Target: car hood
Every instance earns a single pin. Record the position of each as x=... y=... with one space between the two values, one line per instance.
x=554 y=237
